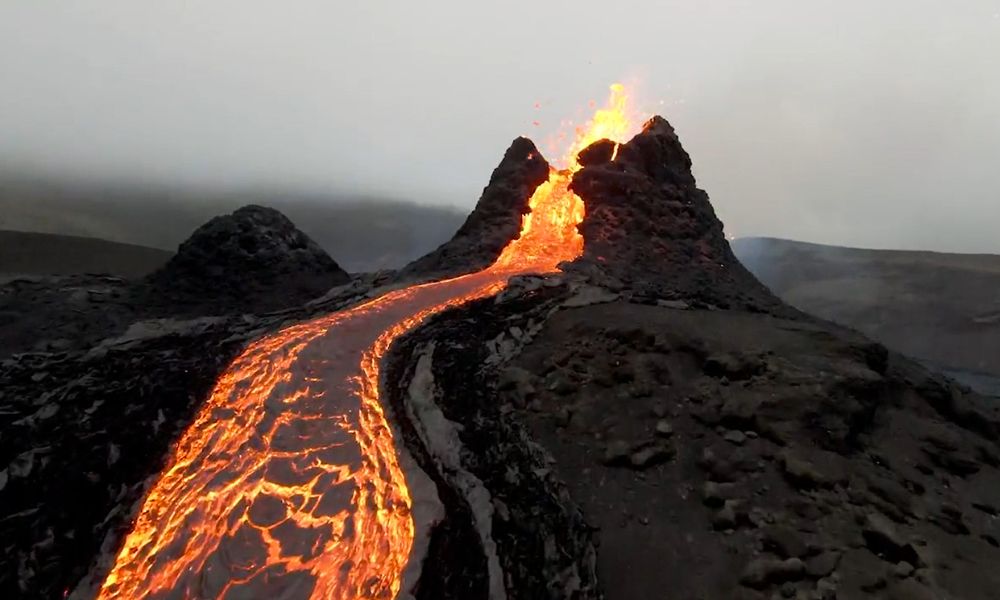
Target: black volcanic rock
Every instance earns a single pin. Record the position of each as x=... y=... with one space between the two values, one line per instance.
x=82 y=433
x=792 y=459
x=494 y=222
x=649 y=226
x=541 y=539
x=597 y=153
x=253 y=260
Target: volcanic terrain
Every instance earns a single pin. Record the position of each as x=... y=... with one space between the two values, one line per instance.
x=628 y=414
x=943 y=308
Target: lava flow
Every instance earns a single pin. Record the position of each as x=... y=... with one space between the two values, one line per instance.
x=288 y=482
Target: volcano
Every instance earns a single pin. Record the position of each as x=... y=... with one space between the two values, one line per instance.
x=583 y=394
x=254 y=258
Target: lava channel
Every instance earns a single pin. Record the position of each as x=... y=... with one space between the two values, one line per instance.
x=288 y=483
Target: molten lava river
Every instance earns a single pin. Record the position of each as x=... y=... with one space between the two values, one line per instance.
x=288 y=484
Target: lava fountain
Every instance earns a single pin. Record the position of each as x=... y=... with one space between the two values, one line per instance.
x=288 y=484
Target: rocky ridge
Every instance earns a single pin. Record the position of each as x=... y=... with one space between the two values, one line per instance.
x=649 y=228
x=495 y=220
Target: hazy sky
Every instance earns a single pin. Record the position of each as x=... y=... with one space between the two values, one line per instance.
x=873 y=123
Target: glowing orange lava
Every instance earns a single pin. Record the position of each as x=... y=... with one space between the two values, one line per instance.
x=548 y=233
x=288 y=482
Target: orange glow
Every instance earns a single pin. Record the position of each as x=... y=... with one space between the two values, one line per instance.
x=614 y=122
x=288 y=482
x=548 y=233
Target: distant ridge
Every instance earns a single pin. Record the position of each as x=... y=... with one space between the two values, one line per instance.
x=364 y=232
x=28 y=253
x=962 y=260
x=937 y=306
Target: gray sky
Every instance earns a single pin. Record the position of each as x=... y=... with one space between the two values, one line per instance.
x=873 y=123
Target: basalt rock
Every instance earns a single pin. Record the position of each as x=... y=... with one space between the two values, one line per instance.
x=650 y=226
x=81 y=434
x=253 y=260
x=540 y=541
x=64 y=313
x=494 y=222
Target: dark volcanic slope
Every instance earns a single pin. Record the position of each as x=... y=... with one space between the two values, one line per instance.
x=494 y=222
x=253 y=259
x=81 y=433
x=649 y=226
x=749 y=453
x=725 y=454
x=27 y=253
x=941 y=307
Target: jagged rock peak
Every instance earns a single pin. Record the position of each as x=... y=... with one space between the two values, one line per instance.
x=649 y=226
x=522 y=159
x=254 y=259
x=494 y=222
x=658 y=152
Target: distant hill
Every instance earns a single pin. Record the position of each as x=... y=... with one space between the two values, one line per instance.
x=361 y=233
x=943 y=308
x=25 y=253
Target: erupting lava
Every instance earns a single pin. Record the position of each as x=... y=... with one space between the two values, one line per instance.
x=548 y=233
x=288 y=482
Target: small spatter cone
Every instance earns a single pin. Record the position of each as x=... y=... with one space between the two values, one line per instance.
x=650 y=227
x=253 y=260
x=494 y=222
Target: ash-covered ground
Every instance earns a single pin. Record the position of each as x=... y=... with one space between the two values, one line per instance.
x=651 y=423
